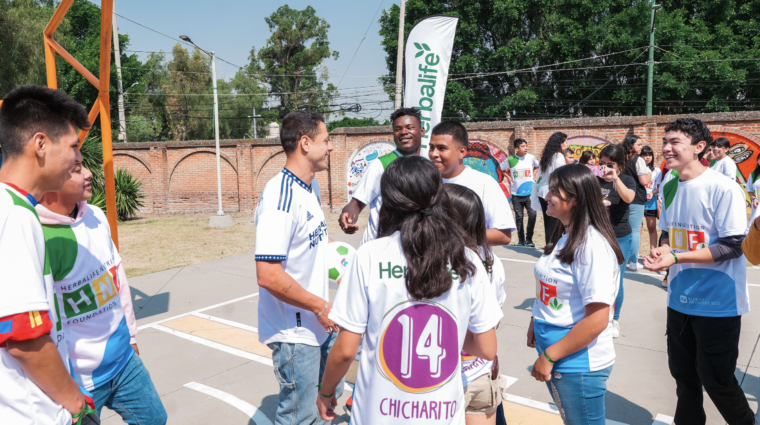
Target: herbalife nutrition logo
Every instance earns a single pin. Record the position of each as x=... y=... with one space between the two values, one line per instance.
x=427 y=79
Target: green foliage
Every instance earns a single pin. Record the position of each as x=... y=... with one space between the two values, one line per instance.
x=23 y=56
x=501 y=35
x=290 y=61
x=92 y=159
x=129 y=194
x=128 y=189
x=354 y=122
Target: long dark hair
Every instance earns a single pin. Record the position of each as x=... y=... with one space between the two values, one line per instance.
x=415 y=204
x=586 y=157
x=553 y=146
x=647 y=150
x=628 y=143
x=579 y=183
x=467 y=209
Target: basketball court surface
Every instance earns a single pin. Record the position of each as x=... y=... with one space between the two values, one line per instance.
x=198 y=338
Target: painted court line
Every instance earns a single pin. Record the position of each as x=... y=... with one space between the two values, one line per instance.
x=540 y=405
x=179 y=316
x=227 y=322
x=255 y=414
x=663 y=420
x=216 y=345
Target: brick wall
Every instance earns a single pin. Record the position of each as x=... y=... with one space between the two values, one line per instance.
x=181 y=176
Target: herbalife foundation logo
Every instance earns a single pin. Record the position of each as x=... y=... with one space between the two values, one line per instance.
x=426 y=80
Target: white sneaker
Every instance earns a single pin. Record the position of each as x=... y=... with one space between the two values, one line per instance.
x=664 y=283
x=615 y=329
x=634 y=267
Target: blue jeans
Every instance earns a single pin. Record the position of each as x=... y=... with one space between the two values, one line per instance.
x=580 y=396
x=625 y=246
x=635 y=217
x=298 y=369
x=132 y=395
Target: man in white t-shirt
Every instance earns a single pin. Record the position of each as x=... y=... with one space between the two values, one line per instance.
x=407 y=135
x=703 y=219
x=723 y=164
x=521 y=172
x=38 y=131
x=291 y=268
x=448 y=147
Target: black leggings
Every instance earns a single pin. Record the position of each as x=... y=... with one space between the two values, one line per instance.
x=550 y=223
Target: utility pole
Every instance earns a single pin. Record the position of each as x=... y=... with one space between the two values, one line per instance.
x=655 y=8
x=254 y=116
x=219 y=221
x=400 y=54
x=119 y=86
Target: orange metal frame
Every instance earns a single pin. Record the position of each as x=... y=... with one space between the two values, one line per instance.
x=102 y=104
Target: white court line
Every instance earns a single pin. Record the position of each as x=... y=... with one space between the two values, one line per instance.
x=540 y=405
x=139 y=328
x=216 y=345
x=663 y=420
x=255 y=414
x=510 y=381
x=226 y=322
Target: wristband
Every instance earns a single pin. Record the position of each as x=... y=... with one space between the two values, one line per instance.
x=675 y=257
x=323 y=311
x=320 y=392
x=547 y=357
x=85 y=411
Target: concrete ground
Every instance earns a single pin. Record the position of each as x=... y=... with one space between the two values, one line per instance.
x=197 y=336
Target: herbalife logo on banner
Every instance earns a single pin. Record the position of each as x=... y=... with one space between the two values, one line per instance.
x=426 y=79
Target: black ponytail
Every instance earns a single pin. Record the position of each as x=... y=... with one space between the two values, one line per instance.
x=415 y=204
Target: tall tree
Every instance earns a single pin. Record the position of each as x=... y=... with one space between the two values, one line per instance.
x=189 y=77
x=290 y=61
x=23 y=56
x=537 y=38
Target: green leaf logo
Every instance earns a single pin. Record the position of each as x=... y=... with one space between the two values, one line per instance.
x=556 y=303
x=422 y=48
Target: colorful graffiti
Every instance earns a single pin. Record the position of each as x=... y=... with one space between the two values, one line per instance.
x=360 y=161
x=744 y=153
x=489 y=159
x=586 y=143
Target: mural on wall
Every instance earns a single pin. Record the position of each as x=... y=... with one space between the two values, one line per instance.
x=744 y=153
x=586 y=143
x=487 y=158
x=360 y=161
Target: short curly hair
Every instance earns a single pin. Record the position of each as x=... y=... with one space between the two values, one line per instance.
x=403 y=112
x=695 y=129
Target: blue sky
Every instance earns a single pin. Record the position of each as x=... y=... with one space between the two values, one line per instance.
x=231 y=28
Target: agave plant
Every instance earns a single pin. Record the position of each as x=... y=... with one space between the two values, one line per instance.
x=128 y=189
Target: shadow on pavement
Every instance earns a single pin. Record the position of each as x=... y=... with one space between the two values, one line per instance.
x=618 y=408
x=526 y=305
x=269 y=408
x=145 y=306
x=649 y=280
x=533 y=252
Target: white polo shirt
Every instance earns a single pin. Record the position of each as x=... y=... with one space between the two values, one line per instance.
x=498 y=213
x=291 y=228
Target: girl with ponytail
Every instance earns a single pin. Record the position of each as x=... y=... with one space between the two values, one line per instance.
x=420 y=295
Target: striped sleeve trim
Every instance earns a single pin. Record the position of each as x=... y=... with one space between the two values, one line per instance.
x=286 y=193
x=271 y=258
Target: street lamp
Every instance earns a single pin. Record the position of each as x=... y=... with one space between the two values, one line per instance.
x=219 y=220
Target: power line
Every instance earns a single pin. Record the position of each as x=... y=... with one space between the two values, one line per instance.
x=360 y=44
